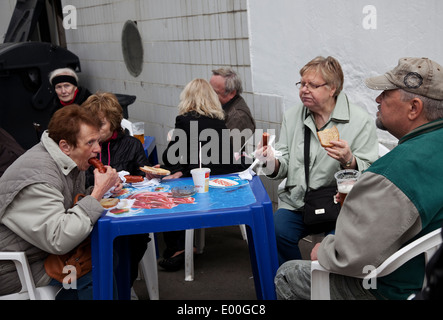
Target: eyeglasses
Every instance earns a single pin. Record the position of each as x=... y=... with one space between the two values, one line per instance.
x=309 y=85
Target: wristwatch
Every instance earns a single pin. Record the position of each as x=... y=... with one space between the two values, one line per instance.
x=348 y=164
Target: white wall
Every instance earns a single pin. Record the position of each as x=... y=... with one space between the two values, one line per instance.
x=286 y=34
x=6 y=9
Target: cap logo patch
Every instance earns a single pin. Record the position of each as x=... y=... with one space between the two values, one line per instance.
x=413 y=80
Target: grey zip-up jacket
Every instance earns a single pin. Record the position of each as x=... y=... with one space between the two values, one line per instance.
x=36 y=195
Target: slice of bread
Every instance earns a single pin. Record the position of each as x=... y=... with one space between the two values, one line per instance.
x=327 y=135
x=109 y=202
x=157 y=171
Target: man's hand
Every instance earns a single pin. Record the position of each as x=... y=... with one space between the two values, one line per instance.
x=314 y=252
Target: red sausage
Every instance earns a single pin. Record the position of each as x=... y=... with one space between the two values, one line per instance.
x=133 y=179
x=265 y=139
x=97 y=164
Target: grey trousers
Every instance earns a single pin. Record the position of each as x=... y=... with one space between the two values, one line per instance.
x=293 y=282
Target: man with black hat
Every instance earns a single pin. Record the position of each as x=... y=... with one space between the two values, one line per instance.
x=397 y=200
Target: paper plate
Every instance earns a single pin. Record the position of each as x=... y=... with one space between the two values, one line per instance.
x=222 y=183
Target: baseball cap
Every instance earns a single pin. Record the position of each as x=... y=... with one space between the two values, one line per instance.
x=421 y=76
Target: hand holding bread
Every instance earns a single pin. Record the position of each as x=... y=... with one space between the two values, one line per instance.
x=339 y=151
x=327 y=135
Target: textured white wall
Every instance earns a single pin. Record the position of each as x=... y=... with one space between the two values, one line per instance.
x=182 y=39
x=286 y=34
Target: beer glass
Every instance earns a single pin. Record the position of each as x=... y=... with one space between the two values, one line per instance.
x=345 y=182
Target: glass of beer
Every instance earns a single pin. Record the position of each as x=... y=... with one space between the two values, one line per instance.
x=345 y=182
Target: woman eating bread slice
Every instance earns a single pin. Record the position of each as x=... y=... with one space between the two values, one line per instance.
x=325 y=113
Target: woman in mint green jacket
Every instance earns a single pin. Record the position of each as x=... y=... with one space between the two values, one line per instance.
x=323 y=105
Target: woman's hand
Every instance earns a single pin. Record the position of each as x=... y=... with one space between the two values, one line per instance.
x=117 y=187
x=341 y=152
x=104 y=181
x=175 y=175
x=157 y=176
x=266 y=155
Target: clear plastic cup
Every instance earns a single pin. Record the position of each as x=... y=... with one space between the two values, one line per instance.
x=345 y=181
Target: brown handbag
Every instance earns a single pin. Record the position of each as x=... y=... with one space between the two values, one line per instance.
x=79 y=257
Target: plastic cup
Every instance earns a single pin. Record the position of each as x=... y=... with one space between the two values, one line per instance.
x=139 y=131
x=345 y=181
x=200 y=176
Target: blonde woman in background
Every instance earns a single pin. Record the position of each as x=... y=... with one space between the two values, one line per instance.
x=200 y=119
x=199 y=109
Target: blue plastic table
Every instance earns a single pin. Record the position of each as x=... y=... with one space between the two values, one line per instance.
x=207 y=212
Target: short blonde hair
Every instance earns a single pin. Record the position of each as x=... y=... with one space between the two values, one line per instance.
x=329 y=68
x=200 y=97
x=105 y=104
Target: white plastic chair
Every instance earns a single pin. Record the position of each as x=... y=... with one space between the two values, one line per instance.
x=28 y=290
x=382 y=150
x=126 y=124
x=427 y=244
x=148 y=266
x=200 y=244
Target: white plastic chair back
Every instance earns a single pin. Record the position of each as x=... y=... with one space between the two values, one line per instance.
x=382 y=150
x=126 y=124
x=427 y=244
x=28 y=290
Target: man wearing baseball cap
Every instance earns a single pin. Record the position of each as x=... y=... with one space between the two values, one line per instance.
x=397 y=200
